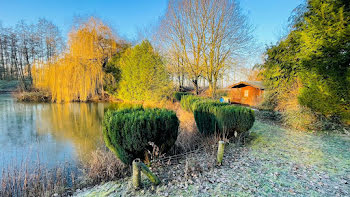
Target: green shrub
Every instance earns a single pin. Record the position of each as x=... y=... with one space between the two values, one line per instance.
x=233 y=119
x=204 y=115
x=179 y=95
x=122 y=105
x=128 y=132
x=215 y=117
x=187 y=102
x=144 y=76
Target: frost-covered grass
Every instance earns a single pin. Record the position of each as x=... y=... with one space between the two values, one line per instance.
x=277 y=162
x=330 y=153
x=292 y=162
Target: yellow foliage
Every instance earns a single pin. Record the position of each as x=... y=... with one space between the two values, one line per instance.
x=79 y=124
x=294 y=114
x=254 y=75
x=77 y=74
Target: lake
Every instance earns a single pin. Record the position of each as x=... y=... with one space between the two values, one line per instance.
x=49 y=133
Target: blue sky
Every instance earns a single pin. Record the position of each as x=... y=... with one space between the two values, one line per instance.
x=125 y=16
x=128 y=16
x=270 y=17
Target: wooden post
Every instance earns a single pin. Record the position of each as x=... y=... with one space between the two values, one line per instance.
x=220 y=154
x=136 y=175
x=152 y=177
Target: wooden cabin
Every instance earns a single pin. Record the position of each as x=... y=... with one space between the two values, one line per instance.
x=246 y=92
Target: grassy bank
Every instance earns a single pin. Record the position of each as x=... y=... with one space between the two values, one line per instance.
x=277 y=162
x=12 y=86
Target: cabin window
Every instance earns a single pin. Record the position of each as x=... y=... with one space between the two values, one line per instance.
x=246 y=93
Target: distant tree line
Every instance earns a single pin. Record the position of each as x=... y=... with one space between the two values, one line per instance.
x=198 y=41
x=23 y=44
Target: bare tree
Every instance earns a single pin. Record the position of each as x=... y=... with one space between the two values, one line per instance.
x=208 y=35
x=21 y=46
x=2 y=55
x=184 y=33
x=175 y=65
x=51 y=38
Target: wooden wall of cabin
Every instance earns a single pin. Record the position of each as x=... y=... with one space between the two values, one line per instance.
x=235 y=95
x=252 y=97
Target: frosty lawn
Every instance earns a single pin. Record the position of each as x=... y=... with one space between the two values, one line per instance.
x=277 y=162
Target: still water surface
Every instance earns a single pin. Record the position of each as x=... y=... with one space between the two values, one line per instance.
x=50 y=133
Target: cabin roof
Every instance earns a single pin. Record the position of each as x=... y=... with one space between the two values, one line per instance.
x=255 y=84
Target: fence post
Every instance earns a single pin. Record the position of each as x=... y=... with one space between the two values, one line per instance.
x=136 y=175
x=152 y=177
x=220 y=154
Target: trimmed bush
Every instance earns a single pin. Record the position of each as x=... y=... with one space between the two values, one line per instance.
x=179 y=95
x=128 y=132
x=215 y=117
x=204 y=115
x=187 y=102
x=233 y=119
x=122 y=105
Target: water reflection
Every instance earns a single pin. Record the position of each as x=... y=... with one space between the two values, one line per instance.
x=53 y=133
x=79 y=123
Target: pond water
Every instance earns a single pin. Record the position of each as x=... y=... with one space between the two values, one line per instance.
x=51 y=134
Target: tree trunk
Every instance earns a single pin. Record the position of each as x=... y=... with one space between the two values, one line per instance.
x=195 y=84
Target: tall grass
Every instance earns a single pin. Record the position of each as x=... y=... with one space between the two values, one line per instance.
x=32 y=96
x=38 y=181
x=104 y=166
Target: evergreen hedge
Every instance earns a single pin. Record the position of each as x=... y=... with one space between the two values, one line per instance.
x=215 y=117
x=122 y=105
x=187 y=102
x=233 y=119
x=204 y=115
x=127 y=132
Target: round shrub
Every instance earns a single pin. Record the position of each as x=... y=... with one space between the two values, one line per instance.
x=233 y=119
x=215 y=117
x=128 y=132
x=204 y=115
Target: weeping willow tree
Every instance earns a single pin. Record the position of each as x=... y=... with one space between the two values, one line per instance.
x=77 y=74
